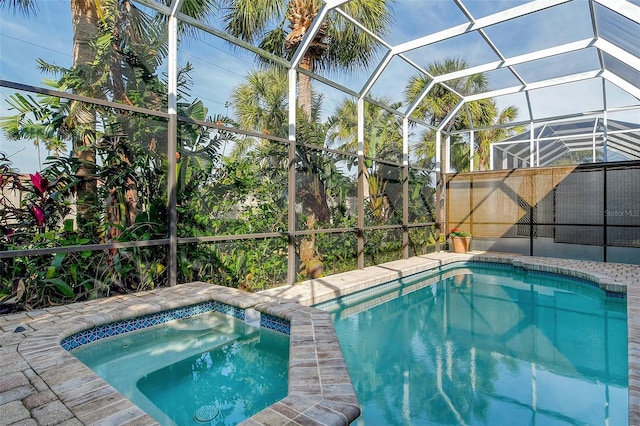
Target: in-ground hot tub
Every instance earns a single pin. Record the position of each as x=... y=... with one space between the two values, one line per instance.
x=318 y=387
x=191 y=365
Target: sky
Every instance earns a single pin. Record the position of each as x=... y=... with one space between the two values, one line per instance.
x=218 y=68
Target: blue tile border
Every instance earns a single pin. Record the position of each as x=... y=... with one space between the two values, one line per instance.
x=380 y=288
x=407 y=280
x=275 y=323
x=133 y=324
x=565 y=276
x=479 y=264
x=616 y=295
x=573 y=278
x=361 y=294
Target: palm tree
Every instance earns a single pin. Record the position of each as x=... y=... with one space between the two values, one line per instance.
x=278 y=27
x=382 y=138
x=317 y=170
x=132 y=35
x=338 y=45
x=35 y=121
x=382 y=129
x=260 y=102
x=439 y=102
x=484 y=138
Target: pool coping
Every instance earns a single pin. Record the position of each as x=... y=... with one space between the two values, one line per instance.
x=44 y=384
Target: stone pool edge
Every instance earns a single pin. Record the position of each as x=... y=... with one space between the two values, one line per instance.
x=611 y=277
x=44 y=384
x=319 y=391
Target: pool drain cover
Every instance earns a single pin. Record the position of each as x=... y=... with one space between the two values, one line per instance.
x=206 y=413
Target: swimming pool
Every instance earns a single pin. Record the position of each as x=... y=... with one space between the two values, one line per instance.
x=485 y=345
x=208 y=368
x=81 y=395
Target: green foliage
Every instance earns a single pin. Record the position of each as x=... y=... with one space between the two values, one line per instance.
x=439 y=102
x=126 y=157
x=77 y=275
x=42 y=220
x=111 y=187
x=233 y=196
x=261 y=103
x=382 y=129
x=421 y=197
x=455 y=232
x=340 y=45
x=422 y=240
x=247 y=264
x=339 y=251
x=382 y=246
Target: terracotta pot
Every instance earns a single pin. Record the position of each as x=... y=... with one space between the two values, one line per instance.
x=461 y=244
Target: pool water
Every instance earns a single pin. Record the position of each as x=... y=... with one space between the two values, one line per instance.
x=485 y=346
x=206 y=369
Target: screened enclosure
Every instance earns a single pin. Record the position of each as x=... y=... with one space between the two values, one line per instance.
x=569 y=142
x=589 y=212
x=152 y=143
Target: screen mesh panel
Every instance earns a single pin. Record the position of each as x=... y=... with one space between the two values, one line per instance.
x=623 y=197
x=579 y=199
x=587 y=205
x=623 y=237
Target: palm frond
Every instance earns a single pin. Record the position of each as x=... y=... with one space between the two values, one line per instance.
x=247 y=19
x=26 y=7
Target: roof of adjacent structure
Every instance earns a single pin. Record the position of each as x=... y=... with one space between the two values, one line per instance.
x=558 y=140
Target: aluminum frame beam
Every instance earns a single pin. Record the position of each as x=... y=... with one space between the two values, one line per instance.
x=484 y=22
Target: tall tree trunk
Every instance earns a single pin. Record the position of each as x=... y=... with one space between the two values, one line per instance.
x=85 y=29
x=313 y=195
x=300 y=15
x=304 y=86
x=311 y=191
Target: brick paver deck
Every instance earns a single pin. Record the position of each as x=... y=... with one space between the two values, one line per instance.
x=42 y=384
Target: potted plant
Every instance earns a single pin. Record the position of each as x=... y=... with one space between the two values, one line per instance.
x=461 y=240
